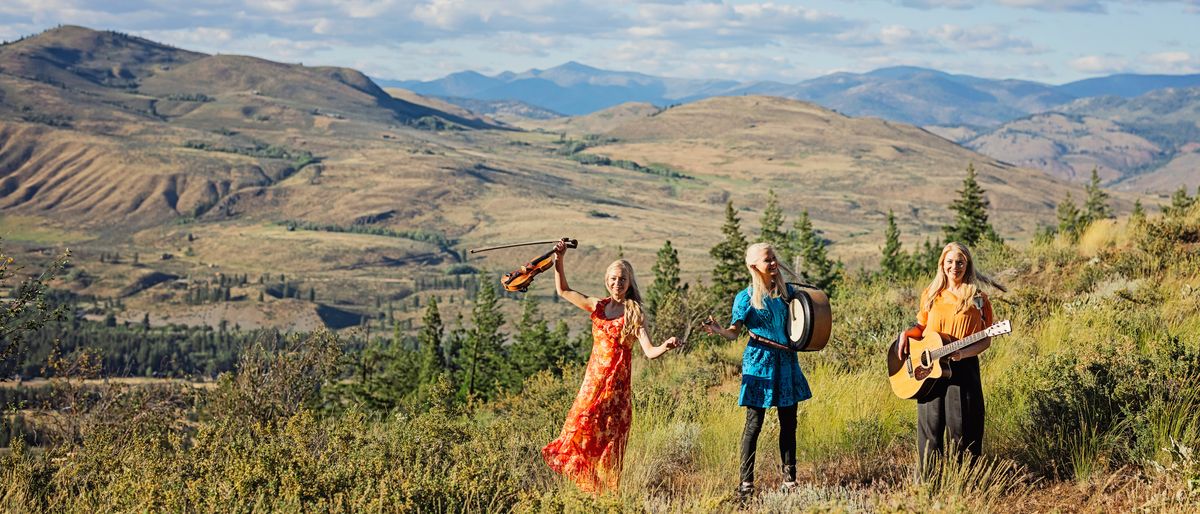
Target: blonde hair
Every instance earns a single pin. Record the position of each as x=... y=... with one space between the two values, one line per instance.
x=972 y=278
x=758 y=287
x=633 y=298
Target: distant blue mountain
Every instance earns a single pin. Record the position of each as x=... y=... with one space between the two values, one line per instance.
x=907 y=94
x=571 y=88
x=1127 y=85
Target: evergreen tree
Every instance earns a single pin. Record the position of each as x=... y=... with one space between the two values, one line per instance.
x=970 y=214
x=1180 y=202
x=529 y=350
x=894 y=262
x=815 y=266
x=1096 y=207
x=772 y=230
x=387 y=373
x=666 y=277
x=485 y=343
x=729 y=272
x=1139 y=213
x=1070 y=219
x=925 y=261
x=429 y=343
x=452 y=348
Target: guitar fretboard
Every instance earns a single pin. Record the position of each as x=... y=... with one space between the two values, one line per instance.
x=958 y=345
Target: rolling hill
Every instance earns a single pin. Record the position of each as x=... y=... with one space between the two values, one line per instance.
x=1146 y=143
x=235 y=165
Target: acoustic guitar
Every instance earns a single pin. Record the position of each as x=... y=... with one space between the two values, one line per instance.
x=915 y=375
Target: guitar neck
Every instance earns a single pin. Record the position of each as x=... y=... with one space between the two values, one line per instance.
x=958 y=345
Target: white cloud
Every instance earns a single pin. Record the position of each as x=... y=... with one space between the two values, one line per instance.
x=1097 y=64
x=723 y=24
x=1095 y=6
x=1085 y=6
x=935 y=4
x=1170 y=62
x=980 y=37
x=199 y=37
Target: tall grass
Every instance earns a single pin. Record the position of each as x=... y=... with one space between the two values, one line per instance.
x=1098 y=378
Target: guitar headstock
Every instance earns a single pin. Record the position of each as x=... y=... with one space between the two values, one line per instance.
x=1000 y=328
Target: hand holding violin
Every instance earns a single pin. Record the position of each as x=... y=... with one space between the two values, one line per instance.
x=560 y=248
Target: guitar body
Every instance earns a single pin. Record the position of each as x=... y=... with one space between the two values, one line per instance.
x=914 y=377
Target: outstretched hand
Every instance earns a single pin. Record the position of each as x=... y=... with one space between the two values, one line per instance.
x=674 y=343
x=710 y=325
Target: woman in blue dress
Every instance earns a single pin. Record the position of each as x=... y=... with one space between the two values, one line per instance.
x=771 y=375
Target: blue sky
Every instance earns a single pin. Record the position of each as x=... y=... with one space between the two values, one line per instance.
x=1053 y=41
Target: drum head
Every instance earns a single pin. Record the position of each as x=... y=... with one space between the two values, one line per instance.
x=800 y=322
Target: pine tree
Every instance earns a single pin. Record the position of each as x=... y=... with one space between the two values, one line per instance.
x=429 y=343
x=970 y=214
x=485 y=343
x=894 y=262
x=772 y=230
x=1070 y=219
x=814 y=262
x=1139 y=213
x=1096 y=207
x=666 y=277
x=729 y=273
x=1180 y=202
x=529 y=349
x=925 y=261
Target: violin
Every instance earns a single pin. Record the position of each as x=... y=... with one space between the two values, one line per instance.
x=519 y=279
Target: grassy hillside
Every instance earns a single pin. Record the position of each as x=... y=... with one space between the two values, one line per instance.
x=199 y=162
x=1092 y=406
x=1145 y=143
x=1069 y=146
x=848 y=172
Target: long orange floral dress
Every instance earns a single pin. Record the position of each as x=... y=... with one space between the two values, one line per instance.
x=591 y=448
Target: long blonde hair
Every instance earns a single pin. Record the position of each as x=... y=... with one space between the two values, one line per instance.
x=972 y=278
x=633 y=298
x=758 y=287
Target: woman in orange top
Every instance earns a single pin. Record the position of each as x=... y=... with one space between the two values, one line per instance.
x=591 y=447
x=954 y=307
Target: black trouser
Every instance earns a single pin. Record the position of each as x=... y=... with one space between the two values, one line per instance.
x=787 y=441
x=954 y=406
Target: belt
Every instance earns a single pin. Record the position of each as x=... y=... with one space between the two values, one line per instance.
x=767 y=342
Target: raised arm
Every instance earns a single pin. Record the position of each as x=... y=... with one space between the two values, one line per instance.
x=652 y=351
x=580 y=300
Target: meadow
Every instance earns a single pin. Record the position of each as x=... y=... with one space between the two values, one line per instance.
x=1091 y=406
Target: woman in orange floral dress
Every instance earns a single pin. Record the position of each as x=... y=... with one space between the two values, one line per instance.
x=591 y=447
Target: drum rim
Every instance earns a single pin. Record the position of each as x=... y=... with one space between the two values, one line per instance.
x=806 y=304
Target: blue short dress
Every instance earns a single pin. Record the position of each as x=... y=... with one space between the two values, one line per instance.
x=770 y=377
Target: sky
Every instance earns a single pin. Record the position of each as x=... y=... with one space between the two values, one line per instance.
x=1050 y=41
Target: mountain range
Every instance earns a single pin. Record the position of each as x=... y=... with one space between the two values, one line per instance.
x=1126 y=126
x=225 y=164
x=913 y=95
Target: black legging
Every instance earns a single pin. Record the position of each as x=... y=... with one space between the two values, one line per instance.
x=954 y=409
x=787 y=441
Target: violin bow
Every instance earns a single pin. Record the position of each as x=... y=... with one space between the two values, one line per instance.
x=571 y=243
